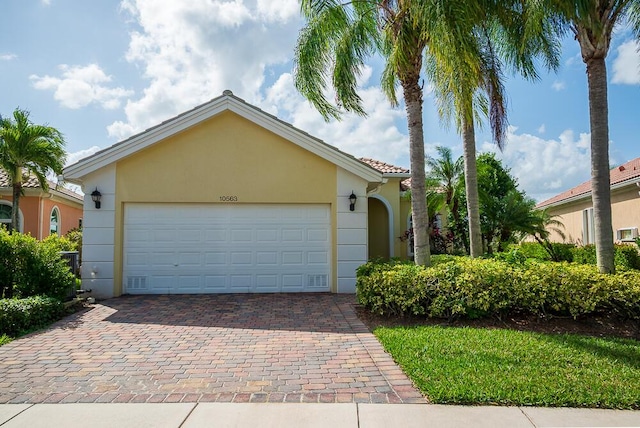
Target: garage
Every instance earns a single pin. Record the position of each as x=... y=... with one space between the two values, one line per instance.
x=177 y=248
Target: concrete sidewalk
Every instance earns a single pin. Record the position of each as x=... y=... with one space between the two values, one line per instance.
x=348 y=415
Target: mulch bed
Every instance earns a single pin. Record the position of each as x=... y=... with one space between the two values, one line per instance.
x=595 y=325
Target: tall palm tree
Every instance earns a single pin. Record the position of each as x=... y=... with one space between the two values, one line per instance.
x=592 y=23
x=27 y=148
x=503 y=38
x=340 y=35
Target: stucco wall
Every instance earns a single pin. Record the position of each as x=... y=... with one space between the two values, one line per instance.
x=625 y=212
x=226 y=155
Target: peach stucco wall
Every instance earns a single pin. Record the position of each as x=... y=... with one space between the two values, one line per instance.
x=36 y=212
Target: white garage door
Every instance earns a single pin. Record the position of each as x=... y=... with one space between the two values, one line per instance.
x=216 y=248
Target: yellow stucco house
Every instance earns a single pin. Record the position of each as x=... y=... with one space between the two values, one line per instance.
x=574 y=207
x=226 y=198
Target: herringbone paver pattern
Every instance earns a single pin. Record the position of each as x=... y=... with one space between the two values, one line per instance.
x=213 y=348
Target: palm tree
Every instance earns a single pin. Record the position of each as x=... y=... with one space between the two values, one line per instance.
x=592 y=23
x=341 y=34
x=26 y=148
x=502 y=37
x=448 y=174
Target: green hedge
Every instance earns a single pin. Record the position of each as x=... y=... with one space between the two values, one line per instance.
x=32 y=268
x=533 y=250
x=625 y=256
x=465 y=287
x=18 y=316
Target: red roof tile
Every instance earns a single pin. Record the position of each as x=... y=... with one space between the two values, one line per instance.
x=32 y=183
x=620 y=174
x=385 y=168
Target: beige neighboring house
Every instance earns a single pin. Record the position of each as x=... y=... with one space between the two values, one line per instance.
x=226 y=198
x=574 y=207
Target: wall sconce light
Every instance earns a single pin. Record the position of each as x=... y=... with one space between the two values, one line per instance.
x=352 y=201
x=95 y=197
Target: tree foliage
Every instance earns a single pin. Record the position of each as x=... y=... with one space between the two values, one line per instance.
x=25 y=149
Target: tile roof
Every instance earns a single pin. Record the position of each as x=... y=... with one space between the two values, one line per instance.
x=32 y=183
x=620 y=174
x=383 y=167
x=405 y=184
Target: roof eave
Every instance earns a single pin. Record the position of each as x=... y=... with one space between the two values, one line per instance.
x=75 y=173
x=632 y=181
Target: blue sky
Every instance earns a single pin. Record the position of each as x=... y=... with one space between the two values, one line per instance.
x=100 y=71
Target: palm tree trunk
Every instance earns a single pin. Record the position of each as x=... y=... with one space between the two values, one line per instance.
x=471 y=186
x=600 y=180
x=17 y=192
x=413 y=103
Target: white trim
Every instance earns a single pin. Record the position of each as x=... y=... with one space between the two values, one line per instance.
x=59 y=221
x=633 y=230
x=227 y=102
x=391 y=222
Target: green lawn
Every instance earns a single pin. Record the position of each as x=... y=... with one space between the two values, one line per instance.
x=507 y=367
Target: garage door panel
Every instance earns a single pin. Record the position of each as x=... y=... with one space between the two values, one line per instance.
x=292 y=235
x=267 y=236
x=292 y=258
x=317 y=235
x=267 y=258
x=215 y=248
x=215 y=235
x=318 y=257
x=215 y=283
x=215 y=259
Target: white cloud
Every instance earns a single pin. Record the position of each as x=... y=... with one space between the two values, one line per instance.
x=81 y=154
x=8 y=57
x=191 y=53
x=376 y=136
x=80 y=86
x=626 y=65
x=542 y=129
x=558 y=85
x=545 y=168
x=46 y=2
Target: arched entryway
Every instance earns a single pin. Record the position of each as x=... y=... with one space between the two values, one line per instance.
x=379 y=226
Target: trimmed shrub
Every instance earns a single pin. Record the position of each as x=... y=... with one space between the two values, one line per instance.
x=534 y=250
x=18 y=316
x=391 y=288
x=473 y=288
x=33 y=268
x=625 y=257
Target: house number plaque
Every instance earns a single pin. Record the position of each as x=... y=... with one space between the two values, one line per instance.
x=228 y=198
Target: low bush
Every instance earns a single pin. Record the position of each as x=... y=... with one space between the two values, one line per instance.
x=31 y=268
x=625 y=256
x=464 y=287
x=18 y=316
x=533 y=250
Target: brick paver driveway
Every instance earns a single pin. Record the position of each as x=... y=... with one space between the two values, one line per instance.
x=240 y=348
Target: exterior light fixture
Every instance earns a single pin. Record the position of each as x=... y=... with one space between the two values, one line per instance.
x=352 y=201
x=95 y=197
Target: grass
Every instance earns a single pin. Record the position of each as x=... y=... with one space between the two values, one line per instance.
x=507 y=367
x=4 y=339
